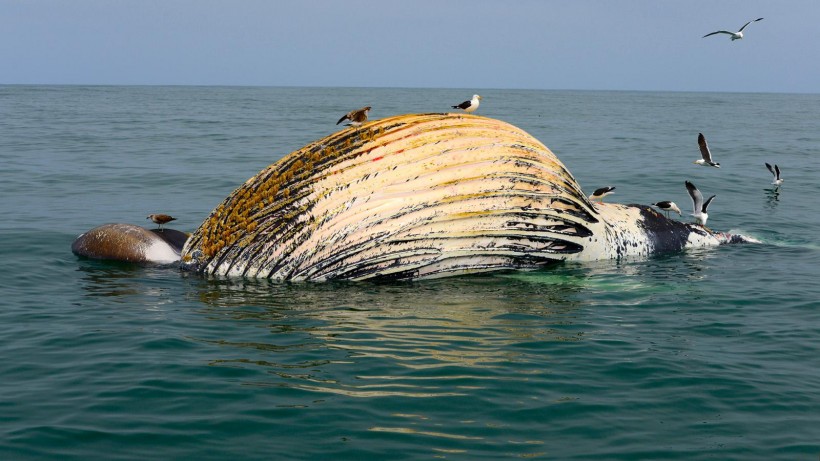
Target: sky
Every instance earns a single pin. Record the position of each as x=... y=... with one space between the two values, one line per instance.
x=653 y=45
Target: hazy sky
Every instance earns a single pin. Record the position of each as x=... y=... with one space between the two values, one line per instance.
x=570 y=44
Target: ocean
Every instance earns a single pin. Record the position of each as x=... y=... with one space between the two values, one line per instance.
x=708 y=354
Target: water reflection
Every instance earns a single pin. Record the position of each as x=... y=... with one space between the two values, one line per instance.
x=110 y=278
x=424 y=339
x=370 y=340
x=772 y=197
x=146 y=287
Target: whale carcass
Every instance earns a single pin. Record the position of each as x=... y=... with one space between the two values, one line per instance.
x=130 y=243
x=421 y=196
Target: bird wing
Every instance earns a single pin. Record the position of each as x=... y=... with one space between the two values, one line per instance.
x=664 y=204
x=777 y=172
x=603 y=190
x=706 y=204
x=359 y=115
x=704 y=148
x=697 y=197
x=160 y=218
x=463 y=105
x=744 y=25
x=719 y=32
x=344 y=117
x=771 y=170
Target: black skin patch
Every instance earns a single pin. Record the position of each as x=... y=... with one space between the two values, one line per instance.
x=666 y=235
x=172 y=237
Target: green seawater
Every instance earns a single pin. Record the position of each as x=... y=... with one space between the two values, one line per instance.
x=710 y=354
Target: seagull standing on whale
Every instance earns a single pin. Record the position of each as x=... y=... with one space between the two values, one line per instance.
x=734 y=35
x=160 y=219
x=471 y=105
x=705 y=153
x=356 y=117
x=667 y=206
x=599 y=194
x=777 y=181
x=698 y=204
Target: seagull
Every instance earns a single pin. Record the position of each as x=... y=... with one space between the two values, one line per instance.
x=734 y=35
x=704 y=152
x=471 y=105
x=667 y=206
x=356 y=117
x=698 y=204
x=601 y=193
x=776 y=173
x=160 y=219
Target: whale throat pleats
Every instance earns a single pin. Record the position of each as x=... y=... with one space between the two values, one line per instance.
x=412 y=196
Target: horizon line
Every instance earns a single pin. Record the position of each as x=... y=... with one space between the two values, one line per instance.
x=202 y=85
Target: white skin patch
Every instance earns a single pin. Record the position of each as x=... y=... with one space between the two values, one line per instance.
x=160 y=252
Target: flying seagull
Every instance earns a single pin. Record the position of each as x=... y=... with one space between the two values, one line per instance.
x=667 y=206
x=599 y=194
x=704 y=152
x=698 y=204
x=777 y=181
x=734 y=35
x=160 y=219
x=356 y=117
x=471 y=105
